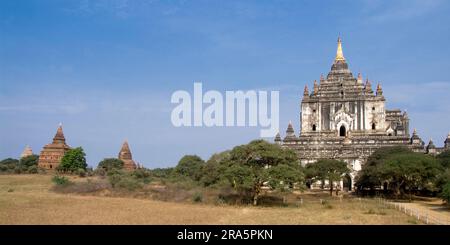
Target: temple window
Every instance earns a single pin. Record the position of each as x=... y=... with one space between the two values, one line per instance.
x=342 y=131
x=373 y=126
x=314 y=127
x=373 y=108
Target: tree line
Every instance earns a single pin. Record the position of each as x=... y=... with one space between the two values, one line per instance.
x=259 y=166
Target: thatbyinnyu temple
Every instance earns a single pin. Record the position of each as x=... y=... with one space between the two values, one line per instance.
x=343 y=118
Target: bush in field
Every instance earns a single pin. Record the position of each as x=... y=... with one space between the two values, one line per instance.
x=33 y=170
x=60 y=180
x=99 y=172
x=73 y=160
x=114 y=176
x=109 y=164
x=142 y=174
x=198 y=197
x=129 y=183
x=81 y=172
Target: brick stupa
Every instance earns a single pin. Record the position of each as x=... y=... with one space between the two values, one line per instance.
x=126 y=157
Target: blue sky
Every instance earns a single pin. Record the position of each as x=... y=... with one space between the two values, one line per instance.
x=107 y=69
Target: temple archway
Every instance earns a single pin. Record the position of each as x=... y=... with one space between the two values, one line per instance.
x=342 y=131
x=347 y=183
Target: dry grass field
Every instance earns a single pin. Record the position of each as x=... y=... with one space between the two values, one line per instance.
x=27 y=199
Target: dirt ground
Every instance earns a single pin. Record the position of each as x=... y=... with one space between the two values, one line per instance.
x=27 y=199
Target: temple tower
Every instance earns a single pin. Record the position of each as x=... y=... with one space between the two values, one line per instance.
x=26 y=152
x=126 y=157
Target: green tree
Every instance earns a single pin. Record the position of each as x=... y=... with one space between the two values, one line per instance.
x=369 y=176
x=250 y=167
x=445 y=194
x=409 y=171
x=190 y=166
x=108 y=164
x=29 y=161
x=8 y=164
x=402 y=170
x=327 y=169
x=214 y=169
x=73 y=160
x=444 y=159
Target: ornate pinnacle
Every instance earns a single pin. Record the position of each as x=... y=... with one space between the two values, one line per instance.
x=339 y=53
x=360 y=79
x=368 y=86
x=316 y=88
x=379 y=90
x=306 y=91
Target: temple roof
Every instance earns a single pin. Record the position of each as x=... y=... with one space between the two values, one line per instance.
x=125 y=152
x=59 y=136
x=340 y=84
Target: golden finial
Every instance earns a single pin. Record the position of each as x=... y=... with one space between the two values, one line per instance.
x=339 y=53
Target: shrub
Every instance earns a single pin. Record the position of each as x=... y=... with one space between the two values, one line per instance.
x=19 y=169
x=114 y=177
x=197 y=197
x=33 y=169
x=60 y=180
x=81 y=172
x=99 y=172
x=142 y=175
x=128 y=183
x=89 y=172
x=83 y=187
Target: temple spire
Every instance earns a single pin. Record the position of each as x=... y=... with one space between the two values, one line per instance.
x=316 y=88
x=339 y=53
x=59 y=136
x=306 y=91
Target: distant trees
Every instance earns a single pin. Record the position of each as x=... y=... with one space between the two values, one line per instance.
x=29 y=161
x=24 y=165
x=73 y=160
x=109 y=164
x=327 y=169
x=8 y=165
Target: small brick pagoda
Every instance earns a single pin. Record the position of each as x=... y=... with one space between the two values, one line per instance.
x=51 y=155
